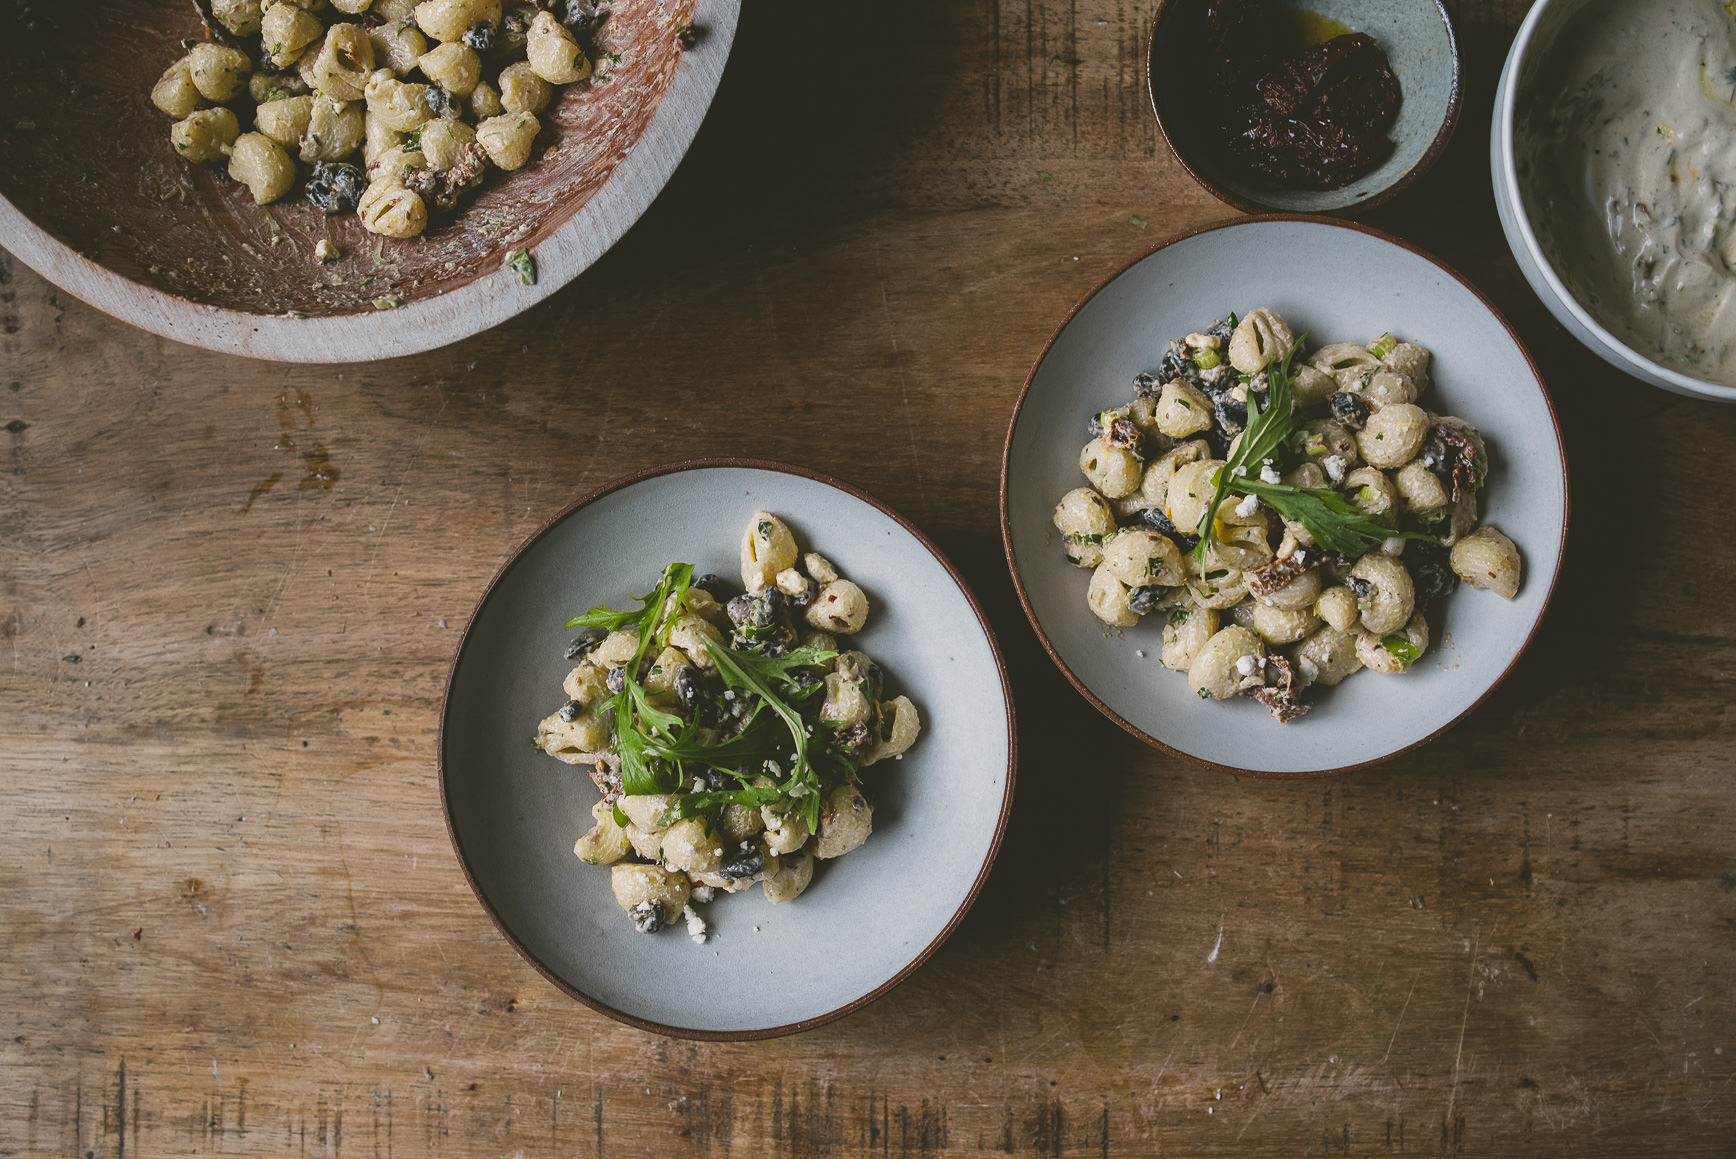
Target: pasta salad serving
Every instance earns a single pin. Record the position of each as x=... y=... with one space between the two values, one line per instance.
x=427 y=97
x=1291 y=516
x=726 y=731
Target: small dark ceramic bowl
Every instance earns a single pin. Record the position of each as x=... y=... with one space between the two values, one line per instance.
x=1418 y=40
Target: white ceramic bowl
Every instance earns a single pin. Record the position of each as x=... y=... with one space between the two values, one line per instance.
x=1339 y=282
x=869 y=918
x=1532 y=45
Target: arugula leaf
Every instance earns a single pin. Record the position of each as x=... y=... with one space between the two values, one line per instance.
x=1335 y=523
x=1261 y=440
x=770 y=668
x=639 y=775
x=755 y=673
x=641 y=771
x=649 y=716
x=676 y=578
x=707 y=804
x=741 y=753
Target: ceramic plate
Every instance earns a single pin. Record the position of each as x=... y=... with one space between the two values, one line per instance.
x=1340 y=283
x=869 y=918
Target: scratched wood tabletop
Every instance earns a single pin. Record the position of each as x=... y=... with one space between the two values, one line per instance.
x=231 y=921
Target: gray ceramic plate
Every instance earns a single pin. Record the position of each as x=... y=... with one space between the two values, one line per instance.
x=869 y=918
x=1341 y=283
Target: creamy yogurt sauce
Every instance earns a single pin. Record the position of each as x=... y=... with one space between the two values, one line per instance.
x=1632 y=175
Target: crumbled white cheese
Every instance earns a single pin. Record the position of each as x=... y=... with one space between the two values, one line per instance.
x=703 y=893
x=1247 y=507
x=696 y=927
x=1140 y=652
x=1392 y=546
x=1246 y=665
x=1334 y=465
x=1239 y=471
x=1297 y=554
x=1268 y=474
x=1309 y=670
x=1239 y=393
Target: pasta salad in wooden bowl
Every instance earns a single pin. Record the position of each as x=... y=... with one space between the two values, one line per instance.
x=339 y=180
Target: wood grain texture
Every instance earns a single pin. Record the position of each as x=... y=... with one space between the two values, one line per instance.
x=229 y=591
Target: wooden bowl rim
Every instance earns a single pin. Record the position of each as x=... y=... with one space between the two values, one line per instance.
x=426 y=324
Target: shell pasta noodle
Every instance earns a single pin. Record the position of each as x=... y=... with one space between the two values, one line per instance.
x=392 y=110
x=1290 y=517
x=726 y=730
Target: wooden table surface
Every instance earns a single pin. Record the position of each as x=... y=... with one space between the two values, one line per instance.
x=230 y=917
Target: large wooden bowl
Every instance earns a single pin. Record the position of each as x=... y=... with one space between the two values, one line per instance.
x=93 y=197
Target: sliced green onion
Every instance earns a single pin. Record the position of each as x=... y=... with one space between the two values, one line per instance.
x=1402 y=648
x=521 y=261
x=1206 y=359
x=1383 y=345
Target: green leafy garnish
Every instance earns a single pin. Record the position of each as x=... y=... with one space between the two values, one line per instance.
x=746 y=671
x=1261 y=440
x=640 y=772
x=656 y=744
x=1401 y=647
x=1334 y=522
x=521 y=261
x=709 y=804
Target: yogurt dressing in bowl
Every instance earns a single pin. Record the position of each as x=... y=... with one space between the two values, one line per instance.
x=1631 y=181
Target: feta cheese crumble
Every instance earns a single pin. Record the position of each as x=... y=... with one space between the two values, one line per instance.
x=696 y=927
